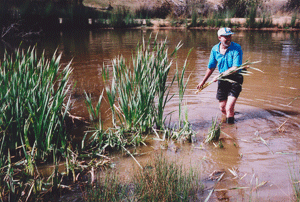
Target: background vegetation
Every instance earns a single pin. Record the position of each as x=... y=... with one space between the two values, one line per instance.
x=30 y=18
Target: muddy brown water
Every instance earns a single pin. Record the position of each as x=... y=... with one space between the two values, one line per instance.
x=253 y=147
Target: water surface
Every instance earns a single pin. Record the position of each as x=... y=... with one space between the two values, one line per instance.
x=253 y=147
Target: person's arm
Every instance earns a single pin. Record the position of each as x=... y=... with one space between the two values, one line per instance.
x=207 y=75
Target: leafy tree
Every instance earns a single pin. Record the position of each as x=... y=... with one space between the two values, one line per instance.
x=240 y=8
x=293 y=4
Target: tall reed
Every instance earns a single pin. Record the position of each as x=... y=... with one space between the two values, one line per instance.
x=138 y=95
x=34 y=105
x=33 y=91
x=138 y=92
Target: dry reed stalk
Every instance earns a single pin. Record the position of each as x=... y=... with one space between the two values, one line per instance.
x=240 y=70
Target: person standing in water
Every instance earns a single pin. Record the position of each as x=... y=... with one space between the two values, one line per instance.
x=227 y=55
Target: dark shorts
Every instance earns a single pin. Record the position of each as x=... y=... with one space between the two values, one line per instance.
x=226 y=88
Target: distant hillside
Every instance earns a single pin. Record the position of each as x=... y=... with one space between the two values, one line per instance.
x=273 y=5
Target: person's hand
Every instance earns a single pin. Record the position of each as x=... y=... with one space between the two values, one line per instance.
x=246 y=67
x=199 y=86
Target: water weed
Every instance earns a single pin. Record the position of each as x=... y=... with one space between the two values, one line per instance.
x=214 y=132
x=138 y=94
x=34 y=106
x=160 y=180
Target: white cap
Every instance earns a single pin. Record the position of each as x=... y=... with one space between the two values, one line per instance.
x=224 y=31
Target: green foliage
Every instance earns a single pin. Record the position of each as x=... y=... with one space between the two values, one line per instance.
x=122 y=18
x=107 y=188
x=166 y=181
x=218 y=20
x=137 y=94
x=238 y=7
x=295 y=176
x=157 y=11
x=293 y=4
x=94 y=112
x=33 y=91
x=132 y=93
x=293 y=20
x=157 y=181
x=32 y=119
x=194 y=19
x=250 y=22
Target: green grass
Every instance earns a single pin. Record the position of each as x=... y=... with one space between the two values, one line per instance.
x=160 y=180
x=295 y=176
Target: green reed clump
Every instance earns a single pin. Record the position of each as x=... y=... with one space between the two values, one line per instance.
x=294 y=19
x=194 y=22
x=160 y=180
x=32 y=128
x=33 y=91
x=218 y=20
x=138 y=95
x=94 y=112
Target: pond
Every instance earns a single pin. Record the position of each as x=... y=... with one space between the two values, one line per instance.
x=255 y=151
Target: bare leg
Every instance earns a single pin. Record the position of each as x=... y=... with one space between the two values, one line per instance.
x=227 y=108
x=230 y=106
x=222 y=106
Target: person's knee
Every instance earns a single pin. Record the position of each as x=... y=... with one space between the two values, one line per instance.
x=223 y=109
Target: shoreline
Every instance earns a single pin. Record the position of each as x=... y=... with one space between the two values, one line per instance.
x=238 y=24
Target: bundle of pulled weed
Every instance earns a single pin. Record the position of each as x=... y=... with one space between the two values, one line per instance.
x=240 y=70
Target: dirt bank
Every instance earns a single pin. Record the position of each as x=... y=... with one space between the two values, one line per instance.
x=279 y=23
